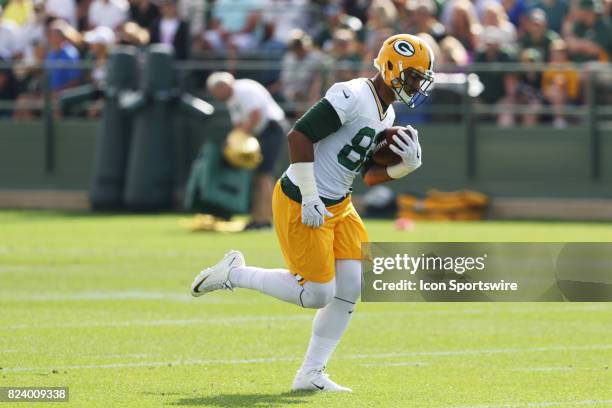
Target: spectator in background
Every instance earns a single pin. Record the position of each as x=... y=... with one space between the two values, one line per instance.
x=287 y=15
x=494 y=14
x=131 y=33
x=537 y=35
x=347 y=60
x=107 y=13
x=382 y=23
x=34 y=30
x=435 y=48
x=234 y=24
x=452 y=52
x=588 y=33
x=144 y=12
x=517 y=12
x=423 y=15
x=560 y=86
x=336 y=18
x=528 y=88
x=270 y=45
x=356 y=8
x=499 y=87
x=253 y=111
x=61 y=52
x=195 y=14
x=271 y=49
x=99 y=40
x=8 y=88
x=9 y=39
x=18 y=11
x=169 y=29
x=63 y=9
x=300 y=75
x=29 y=75
x=464 y=25
x=447 y=6
x=556 y=11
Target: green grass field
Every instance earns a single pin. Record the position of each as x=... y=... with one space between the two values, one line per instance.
x=101 y=304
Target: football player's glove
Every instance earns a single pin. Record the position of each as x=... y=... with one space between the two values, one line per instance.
x=409 y=149
x=313 y=211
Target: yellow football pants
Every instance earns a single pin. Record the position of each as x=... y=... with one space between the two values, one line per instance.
x=311 y=252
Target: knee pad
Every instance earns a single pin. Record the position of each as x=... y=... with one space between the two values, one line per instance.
x=317 y=295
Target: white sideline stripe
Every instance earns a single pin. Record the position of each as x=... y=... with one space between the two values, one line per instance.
x=290 y=359
x=538 y=404
x=226 y=320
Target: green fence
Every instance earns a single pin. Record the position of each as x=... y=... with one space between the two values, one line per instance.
x=465 y=152
x=537 y=161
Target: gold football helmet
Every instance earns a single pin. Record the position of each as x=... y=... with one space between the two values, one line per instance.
x=242 y=150
x=406 y=64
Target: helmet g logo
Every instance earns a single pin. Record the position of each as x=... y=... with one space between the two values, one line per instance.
x=404 y=48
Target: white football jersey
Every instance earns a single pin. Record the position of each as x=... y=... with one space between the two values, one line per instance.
x=338 y=158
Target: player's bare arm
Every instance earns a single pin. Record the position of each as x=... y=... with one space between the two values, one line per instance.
x=301 y=148
x=376 y=174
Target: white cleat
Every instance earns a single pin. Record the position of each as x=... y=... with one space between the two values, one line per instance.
x=316 y=380
x=217 y=277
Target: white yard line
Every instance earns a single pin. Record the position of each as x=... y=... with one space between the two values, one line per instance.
x=225 y=320
x=398 y=364
x=261 y=360
x=163 y=322
x=184 y=297
x=557 y=368
x=564 y=404
x=220 y=320
x=180 y=297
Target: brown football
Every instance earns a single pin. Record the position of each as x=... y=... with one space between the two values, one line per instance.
x=382 y=155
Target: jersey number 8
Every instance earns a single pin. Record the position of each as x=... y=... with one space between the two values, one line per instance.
x=353 y=155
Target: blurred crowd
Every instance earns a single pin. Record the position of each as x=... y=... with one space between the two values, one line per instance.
x=314 y=43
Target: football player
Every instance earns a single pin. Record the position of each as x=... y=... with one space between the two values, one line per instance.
x=319 y=231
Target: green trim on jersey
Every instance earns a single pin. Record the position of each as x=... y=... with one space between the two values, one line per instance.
x=293 y=192
x=320 y=121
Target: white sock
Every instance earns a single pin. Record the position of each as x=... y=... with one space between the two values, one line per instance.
x=279 y=283
x=283 y=285
x=319 y=351
x=331 y=322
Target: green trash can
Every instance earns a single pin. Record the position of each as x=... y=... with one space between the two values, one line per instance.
x=214 y=187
